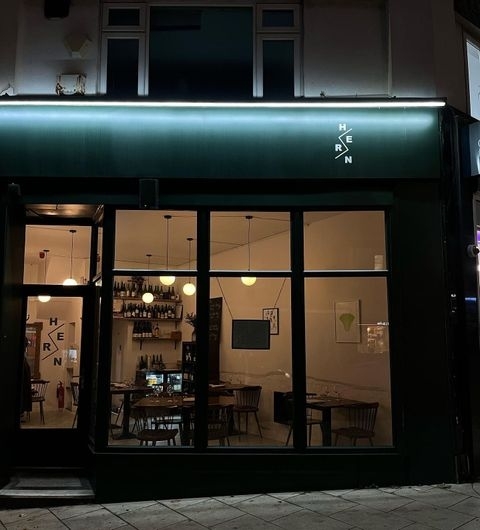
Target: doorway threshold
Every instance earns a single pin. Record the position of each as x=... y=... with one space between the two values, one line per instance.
x=46 y=487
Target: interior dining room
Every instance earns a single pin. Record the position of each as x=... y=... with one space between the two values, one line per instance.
x=250 y=358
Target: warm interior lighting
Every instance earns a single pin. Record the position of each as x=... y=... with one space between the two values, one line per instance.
x=147 y=296
x=248 y=280
x=167 y=280
x=71 y=280
x=189 y=288
x=44 y=298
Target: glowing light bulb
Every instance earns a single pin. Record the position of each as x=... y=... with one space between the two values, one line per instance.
x=70 y=281
x=189 y=289
x=167 y=280
x=44 y=298
x=248 y=280
x=147 y=298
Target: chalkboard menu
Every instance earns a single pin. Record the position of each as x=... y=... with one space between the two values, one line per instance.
x=215 y=322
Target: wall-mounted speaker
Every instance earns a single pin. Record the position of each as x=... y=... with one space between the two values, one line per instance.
x=148 y=194
x=56 y=8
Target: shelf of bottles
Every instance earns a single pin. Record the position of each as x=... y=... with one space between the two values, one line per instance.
x=136 y=287
x=189 y=358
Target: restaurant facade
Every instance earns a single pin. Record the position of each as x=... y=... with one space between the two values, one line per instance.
x=320 y=249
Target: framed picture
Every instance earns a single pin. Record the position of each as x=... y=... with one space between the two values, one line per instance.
x=347 y=321
x=271 y=313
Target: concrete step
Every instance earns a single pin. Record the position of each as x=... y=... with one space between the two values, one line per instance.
x=46 y=487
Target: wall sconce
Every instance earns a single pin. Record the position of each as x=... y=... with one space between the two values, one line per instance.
x=167 y=280
x=248 y=280
x=44 y=298
x=71 y=280
x=147 y=296
x=189 y=288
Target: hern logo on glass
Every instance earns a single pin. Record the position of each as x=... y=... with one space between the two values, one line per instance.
x=345 y=139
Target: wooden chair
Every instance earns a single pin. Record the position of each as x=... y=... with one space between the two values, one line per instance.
x=218 y=422
x=75 y=391
x=246 y=402
x=361 y=423
x=310 y=421
x=157 y=427
x=39 y=390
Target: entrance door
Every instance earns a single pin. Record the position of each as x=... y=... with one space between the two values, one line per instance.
x=54 y=392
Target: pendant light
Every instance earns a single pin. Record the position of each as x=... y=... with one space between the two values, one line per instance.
x=189 y=288
x=71 y=280
x=167 y=280
x=44 y=298
x=147 y=296
x=248 y=280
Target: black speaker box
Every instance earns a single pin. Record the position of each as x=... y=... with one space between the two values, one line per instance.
x=148 y=195
x=56 y=8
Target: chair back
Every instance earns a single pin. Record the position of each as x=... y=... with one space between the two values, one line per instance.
x=218 y=421
x=248 y=397
x=74 y=388
x=39 y=389
x=363 y=416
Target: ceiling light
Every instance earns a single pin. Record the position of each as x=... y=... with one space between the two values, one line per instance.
x=167 y=280
x=71 y=280
x=248 y=280
x=147 y=296
x=44 y=298
x=189 y=288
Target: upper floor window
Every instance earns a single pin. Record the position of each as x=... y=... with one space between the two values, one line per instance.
x=473 y=63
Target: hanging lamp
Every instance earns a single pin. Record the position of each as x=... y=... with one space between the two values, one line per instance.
x=147 y=296
x=71 y=280
x=44 y=298
x=248 y=280
x=167 y=280
x=189 y=288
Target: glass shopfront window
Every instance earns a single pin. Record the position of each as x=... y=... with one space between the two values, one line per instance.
x=158 y=371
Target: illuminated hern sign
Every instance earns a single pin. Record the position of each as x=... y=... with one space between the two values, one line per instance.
x=220 y=141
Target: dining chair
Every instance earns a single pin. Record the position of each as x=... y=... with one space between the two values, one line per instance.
x=218 y=422
x=39 y=390
x=74 y=386
x=361 y=418
x=246 y=403
x=310 y=420
x=156 y=425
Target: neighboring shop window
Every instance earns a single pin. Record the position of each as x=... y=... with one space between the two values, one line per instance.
x=473 y=63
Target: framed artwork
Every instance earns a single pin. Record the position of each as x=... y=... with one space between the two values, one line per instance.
x=347 y=321
x=271 y=313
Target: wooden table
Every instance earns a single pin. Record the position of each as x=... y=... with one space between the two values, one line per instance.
x=127 y=391
x=325 y=404
x=186 y=404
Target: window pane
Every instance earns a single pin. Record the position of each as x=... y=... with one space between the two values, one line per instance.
x=344 y=240
x=251 y=374
x=348 y=355
x=122 y=67
x=201 y=53
x=473 y=61
x=278 y=18
x=278 y=69
x=267 y=232
x=123 y=17
x=54 y=253
x=53 y=353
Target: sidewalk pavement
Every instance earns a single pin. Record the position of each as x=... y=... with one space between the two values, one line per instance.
x=441 y=506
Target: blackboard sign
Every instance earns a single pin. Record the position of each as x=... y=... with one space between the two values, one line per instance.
x=250 y=334
x=214 y=325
